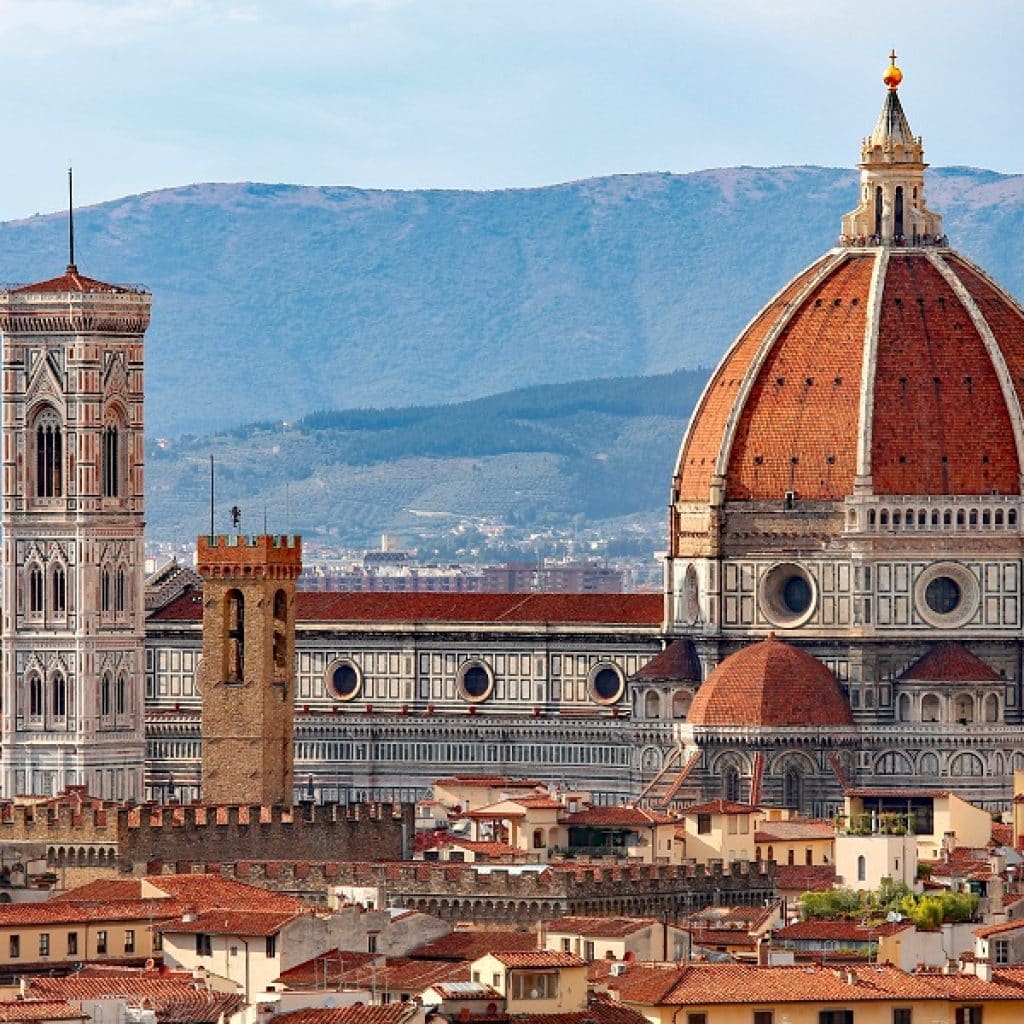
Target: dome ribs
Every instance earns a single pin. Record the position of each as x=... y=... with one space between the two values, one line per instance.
x=939 y=410
x=703 y=439
x=798 y=429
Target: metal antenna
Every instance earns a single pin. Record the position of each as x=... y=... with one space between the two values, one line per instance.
x=211 y=500
x=71 y=222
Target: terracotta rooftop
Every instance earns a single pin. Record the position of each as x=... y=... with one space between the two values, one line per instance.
x=796 y=407
x=793 y=830
x=401 y=976
x=611 y=816
x=677 y=663
x=839 y=929
x=232 y=922
x=951 y=662
x=392 y=1013
x=770 y=683
x=71 y=281
x=472 y=944
x=600 y=927
x=538 y=958
x=367 y=606
x=40 y=1009
x=805 y=877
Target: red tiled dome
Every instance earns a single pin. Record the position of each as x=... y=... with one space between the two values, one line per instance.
x=770 y=683
x=838 y=378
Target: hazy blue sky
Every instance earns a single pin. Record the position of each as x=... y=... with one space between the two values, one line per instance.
x=142 y=94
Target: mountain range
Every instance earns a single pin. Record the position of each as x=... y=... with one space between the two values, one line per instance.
x=529 y=353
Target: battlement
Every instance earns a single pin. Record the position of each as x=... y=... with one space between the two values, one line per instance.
x=240 y=556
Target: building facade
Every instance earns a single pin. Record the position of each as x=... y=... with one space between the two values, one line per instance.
x=73 y=618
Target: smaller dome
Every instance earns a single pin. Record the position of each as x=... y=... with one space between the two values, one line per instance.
x=770 y=683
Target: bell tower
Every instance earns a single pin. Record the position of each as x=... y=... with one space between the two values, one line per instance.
x=73 y=610
x=247 y=676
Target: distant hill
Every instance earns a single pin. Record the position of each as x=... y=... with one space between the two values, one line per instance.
x=586 y=452
x=273 y=300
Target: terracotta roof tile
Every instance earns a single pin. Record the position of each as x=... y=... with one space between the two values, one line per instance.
x=678 y=663
x=613 y=816
x=793 y=831
x=951 y=662
x=368 y=606
x=838 y=929
x=472 y=944
x=770 y=683
x=71 y=281
x=393 y=1013
x=538 y=958
x=40 y=1009
x=805 y=877
x=232 y=922
x=719 y=806
x=600 y=927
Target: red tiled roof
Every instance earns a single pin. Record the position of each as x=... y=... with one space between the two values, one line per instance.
x=770 y=683
x=472 y=944
x=951 y=662
x=719 y=806
x=176 y=995
x=57 y=912
x=677 y=663
x=1002 y=833
x=805 y=877
x=232 y=922
x=599 y=927
x=392 y=1013
x=793 y=831
x=367 y=606
x=839 y=929
x=612 y=816
x=538 y=958
x=402 y=976
x=600 y=1011
x=999 y=929
x=718 y=984
x=797 y=411
x=70 y=281
x=40 y=1009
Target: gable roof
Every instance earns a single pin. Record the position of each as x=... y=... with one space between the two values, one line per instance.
x=600 y=927
x=951 y=662
x=472 y=944
x=678 y=663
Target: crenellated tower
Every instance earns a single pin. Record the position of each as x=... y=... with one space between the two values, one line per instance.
x=248 y=669
x=73 y=615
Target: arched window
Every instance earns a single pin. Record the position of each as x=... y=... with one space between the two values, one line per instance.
x=878 y=211
x=905 y=707
x=792 y=789
x=731 y=783
x=898 y=212
x=35 y=589
x=111 y=461
x=49 y=437
x=538 y=838
x=119 y=590
x=58 y=696
x=122 y=695
x=106 y=597
x=58 y=588
x=999 y=517
x=928 y=765
x=105 y=695
x=931 y=709
x=235 y=667
x=963 y=708
x=35 y=695
x=991 y=708
x=966 y=764
x=1011 y=517
x=652 y=704
x=681 y=701
x=862 y=868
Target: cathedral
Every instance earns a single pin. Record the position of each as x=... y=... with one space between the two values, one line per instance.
x=842 y=603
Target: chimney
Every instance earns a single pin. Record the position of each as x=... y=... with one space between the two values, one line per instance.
x=764 y=948
x=948 y=844
x=542 y=935
x=983 y=969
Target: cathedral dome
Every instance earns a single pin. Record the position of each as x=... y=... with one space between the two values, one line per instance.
x=867 y=372
x=770 y=683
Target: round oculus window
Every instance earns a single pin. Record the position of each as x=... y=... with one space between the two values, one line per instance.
x=343 y=680
x=787 y=595
x=607 y=684
x=943 y=595
x=476 y=681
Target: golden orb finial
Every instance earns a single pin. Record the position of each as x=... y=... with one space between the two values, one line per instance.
x=893 y=76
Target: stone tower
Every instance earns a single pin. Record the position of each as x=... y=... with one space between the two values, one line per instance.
x=73 y=616
x=248 y=669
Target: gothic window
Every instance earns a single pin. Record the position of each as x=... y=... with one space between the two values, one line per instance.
x=111 y=459
x=106 y=597
x=862 y=868
x=235 y=667
x=878 y=211
x=119 y=589
x=35 y=695
x=792 y=789
x=898 y=212
x=35 y=589
x=58 y=696
x=58 y=583
x=731 y=784
x=49 y=436
x=122 y=692
x=966 y=764
x=105 y=694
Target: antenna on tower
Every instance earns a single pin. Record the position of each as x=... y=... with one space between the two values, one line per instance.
x=71 y=222
x=211 y=502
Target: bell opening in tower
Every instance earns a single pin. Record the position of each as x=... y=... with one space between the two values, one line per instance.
x=898 y=213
